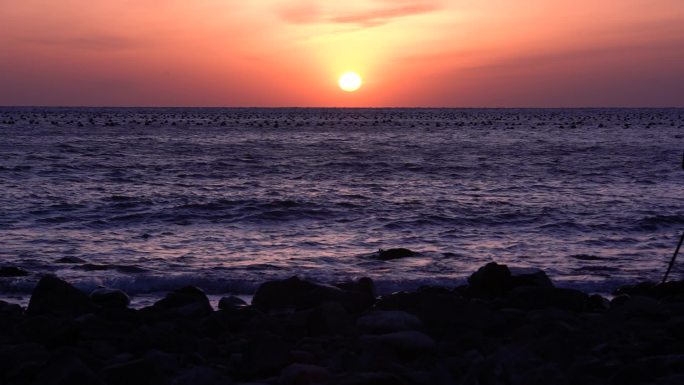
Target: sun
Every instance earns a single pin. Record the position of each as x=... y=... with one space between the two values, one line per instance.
x=350 y=81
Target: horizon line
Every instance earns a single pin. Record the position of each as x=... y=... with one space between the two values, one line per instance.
x=349 y=107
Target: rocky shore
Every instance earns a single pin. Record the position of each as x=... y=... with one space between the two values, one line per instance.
x=499 y=329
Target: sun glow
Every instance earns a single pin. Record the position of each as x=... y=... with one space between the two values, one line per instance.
x=350 y=81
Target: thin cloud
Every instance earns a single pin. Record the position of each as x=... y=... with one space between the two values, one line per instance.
x=384 y=15
x=310 y=13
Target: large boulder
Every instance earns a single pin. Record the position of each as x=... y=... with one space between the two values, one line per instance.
x=490 y=279
x=408 y=341
x=387 y=321
x=231 y=303
x=110 y=298
x=55 y=296
x=361 y=293
x=543 y=297
x=265 y=356
x=298 y=294
x=187 y=302
x=494 y=279
x=153 y=368
x=536 y=278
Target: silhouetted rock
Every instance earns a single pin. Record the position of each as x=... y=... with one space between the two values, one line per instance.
x=543 y=297
x=110 y=298
x=295 y=293
x=188 y=301
x=408 y=341
x=491 y=279
x=142 y=371
x=598 y=303
x=390 y=254
x=495 y=280
x=331 y=318
x=527 y=332
x=301 y=374
x=231 y=302
x=672 y=290
x=371 y=378
x=536 y=279
x=12 y=271
x=54 y=296
x=67 y=370
x=386 y=321
x=639 y=306
x=361 y=292
x=266 y=355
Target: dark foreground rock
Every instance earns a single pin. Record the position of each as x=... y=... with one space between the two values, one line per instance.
x=110 y=298
x=54 y=296
x=297 y=294
x=504 y=328
x=13 y=271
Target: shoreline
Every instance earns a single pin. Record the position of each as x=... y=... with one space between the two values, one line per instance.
x=501 y=328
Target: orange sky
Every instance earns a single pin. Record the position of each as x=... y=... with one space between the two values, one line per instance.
x=459 y=53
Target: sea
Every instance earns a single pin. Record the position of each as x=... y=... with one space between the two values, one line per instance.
x=151 y=199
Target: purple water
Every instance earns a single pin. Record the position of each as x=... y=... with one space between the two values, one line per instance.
x=152 y=199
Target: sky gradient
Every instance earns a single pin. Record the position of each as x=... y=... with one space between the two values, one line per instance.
x=436 y=53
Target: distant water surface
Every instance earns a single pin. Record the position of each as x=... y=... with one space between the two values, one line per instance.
x=152 y=199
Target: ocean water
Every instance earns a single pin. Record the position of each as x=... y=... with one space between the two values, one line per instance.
x=152 y=199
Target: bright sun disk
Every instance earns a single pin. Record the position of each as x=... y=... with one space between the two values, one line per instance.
x=350 y=81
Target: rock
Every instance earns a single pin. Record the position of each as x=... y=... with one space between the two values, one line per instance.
x=300 y=374
x=495 y=280
x=371 y=378
x=330 y=318
x=70 y=260
x=536 y=279
x=647 y=370
x=141 y=371
x=619 y=300
x=266 y=355
x=55 y=296
x=491 y=279
x=409 y=341
x=361 y=292
x=18 y=361
x=390 y=254
x=9 y=309
x=670 y=291
x=598 y=303
x=295 y=293
x=640 y=306
x=187 y=302
x=387 y=321
x=542 y=297
x=110 y=298
x=231 y=303
x=12 y=271
x=67 y=370
x=443 y=310
x=200 y=375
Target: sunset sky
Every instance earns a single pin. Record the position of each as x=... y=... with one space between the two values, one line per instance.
x=459 y=53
